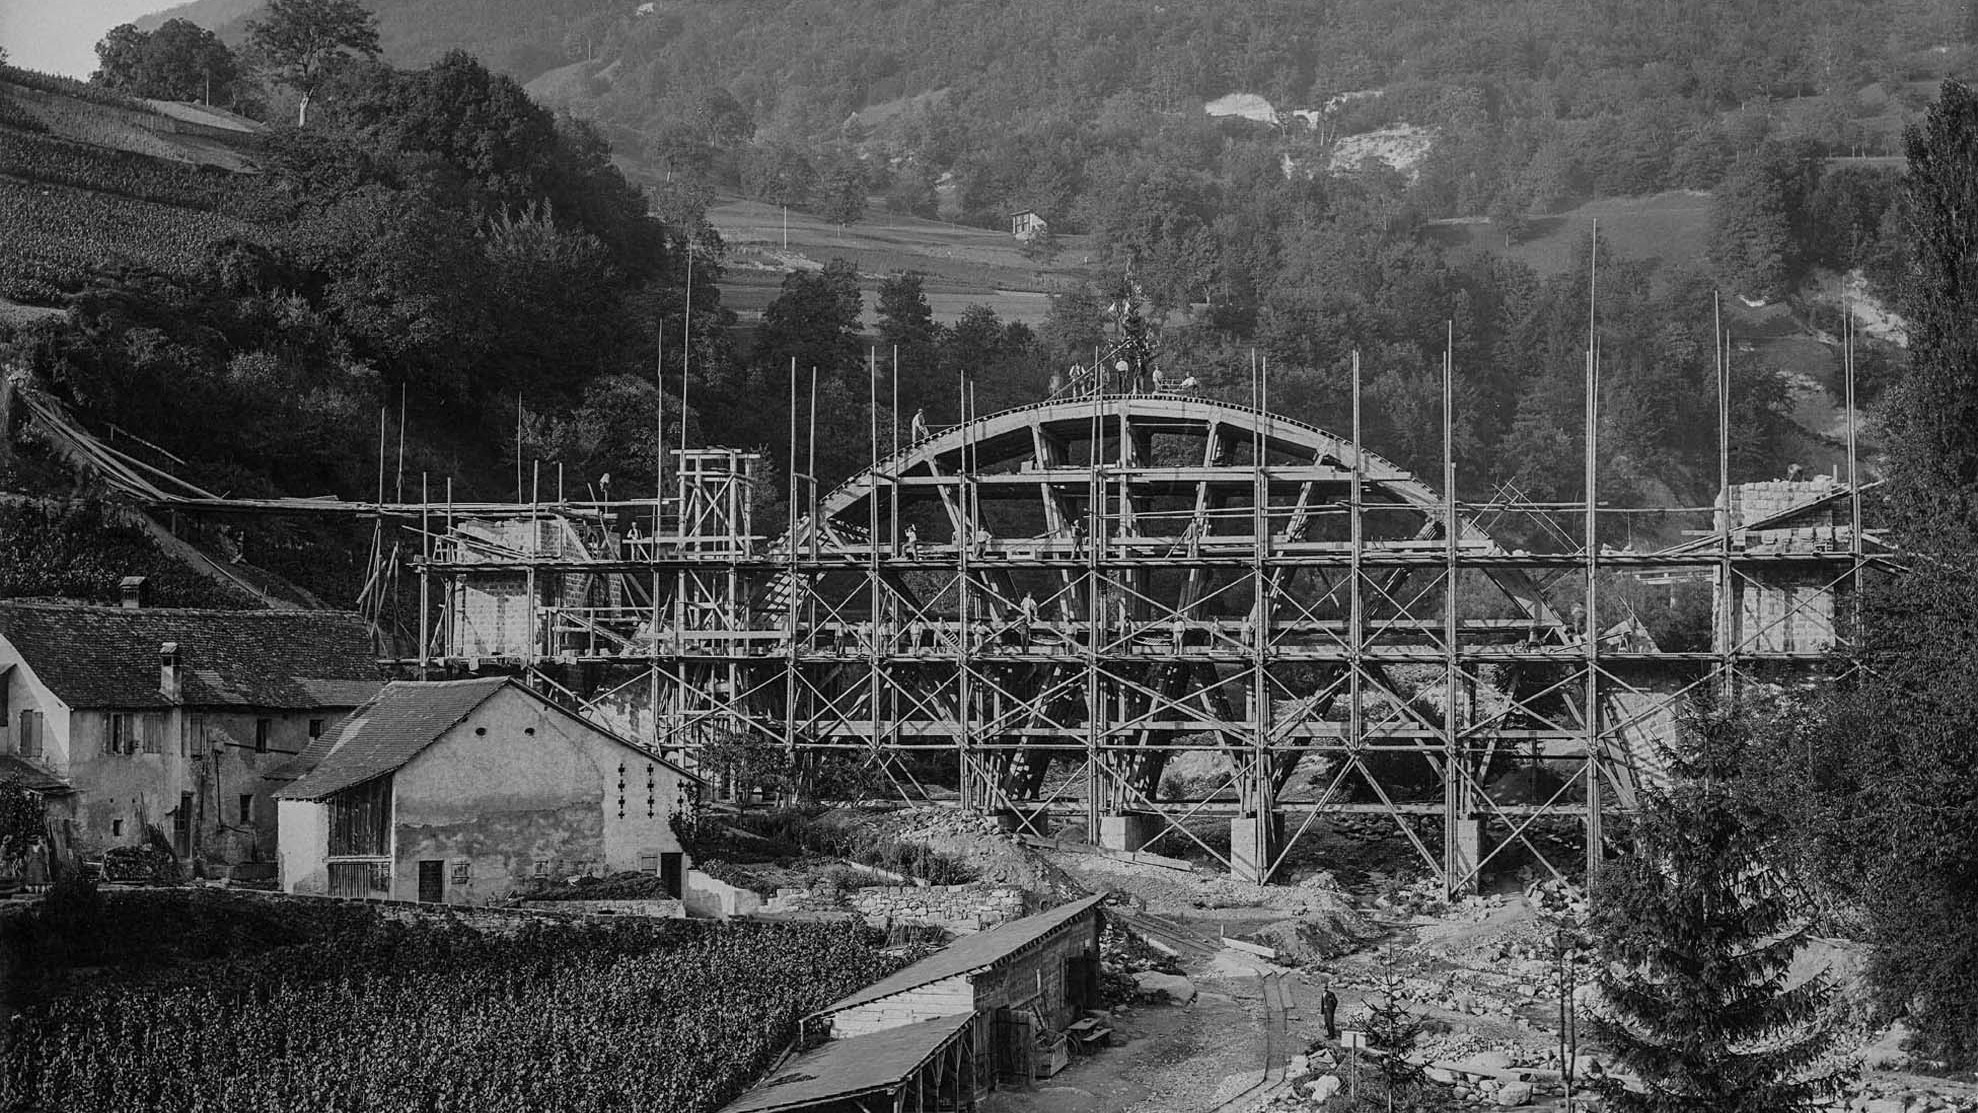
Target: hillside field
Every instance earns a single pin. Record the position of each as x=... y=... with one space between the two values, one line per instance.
x=1671 y=227
x=964 y=266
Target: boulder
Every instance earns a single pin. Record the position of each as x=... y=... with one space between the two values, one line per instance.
x=1886 y=1052
x=1174 y=987
x=1322 y=1088
x=1488 y=1061
x=1513 y=1094
x=1883 y=1105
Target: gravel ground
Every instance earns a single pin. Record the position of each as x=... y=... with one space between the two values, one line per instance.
x=1184 y=1059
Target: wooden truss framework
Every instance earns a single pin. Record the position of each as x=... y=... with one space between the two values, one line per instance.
x=1067 y=595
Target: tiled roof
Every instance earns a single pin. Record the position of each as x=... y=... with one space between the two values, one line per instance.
x=969 y=954
x=107 y=657
x=845 y=1068
x=404 y=718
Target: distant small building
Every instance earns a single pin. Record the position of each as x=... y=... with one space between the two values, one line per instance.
x=143 y=723
x=463 y=791
x=1027 y=225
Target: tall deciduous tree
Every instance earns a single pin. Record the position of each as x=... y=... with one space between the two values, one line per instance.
x=299 y=38
x=1697 y=934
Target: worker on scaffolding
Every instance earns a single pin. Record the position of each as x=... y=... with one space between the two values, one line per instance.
x=912 y=545
x=1026 y=617
x=917 y=427
x=982 y=538
x=1077 y=530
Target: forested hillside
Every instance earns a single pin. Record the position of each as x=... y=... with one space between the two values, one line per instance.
x=438 y=240
x=1263 y=233
x=433 y=245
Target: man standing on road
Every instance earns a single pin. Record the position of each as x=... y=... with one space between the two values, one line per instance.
x=1329 y=1006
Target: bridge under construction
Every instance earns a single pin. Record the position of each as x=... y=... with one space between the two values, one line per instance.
x=1137 y=610
x=1065 y=605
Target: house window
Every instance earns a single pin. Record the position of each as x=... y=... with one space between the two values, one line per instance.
x=542 y=867
x=261 y=729
x=195 y=733
x=649 y=863
x=116 y=828
x=154 y=734
x=246 y=807
x=31 y=725
x=315 y=728
x=463 y=871
x=122 y=736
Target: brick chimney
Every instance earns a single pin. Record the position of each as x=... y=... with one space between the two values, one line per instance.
x=170 y=685
x=133 y=589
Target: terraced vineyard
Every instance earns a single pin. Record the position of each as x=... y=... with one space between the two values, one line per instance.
x=55 y=234
x=90 y=181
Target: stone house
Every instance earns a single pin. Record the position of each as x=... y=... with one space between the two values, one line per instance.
x=164 y=723
x=1024 y=982
x=465 y=791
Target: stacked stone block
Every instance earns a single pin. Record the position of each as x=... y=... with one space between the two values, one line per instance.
x=1787 y=610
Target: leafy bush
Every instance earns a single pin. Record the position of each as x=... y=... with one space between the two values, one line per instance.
x=79 y=551
x=792 y=833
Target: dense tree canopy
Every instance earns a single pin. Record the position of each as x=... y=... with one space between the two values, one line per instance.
x=1893 y=807
x=178 y=61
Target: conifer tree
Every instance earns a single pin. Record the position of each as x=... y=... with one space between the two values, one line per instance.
x=1696 y=934
x=1895 y=802
x=1393 y=1030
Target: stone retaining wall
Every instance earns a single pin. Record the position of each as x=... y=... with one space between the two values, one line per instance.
x=958 y=908
x=654 y=907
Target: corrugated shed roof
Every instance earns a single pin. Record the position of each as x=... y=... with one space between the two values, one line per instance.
x=402 y=719
x=844 y=1068
x=107 y=657
x=969 y=954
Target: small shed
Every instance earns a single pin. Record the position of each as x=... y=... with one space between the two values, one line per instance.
x=1027 y=225
x=1025 y=981
x=463 y=791
x=926 y=1065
